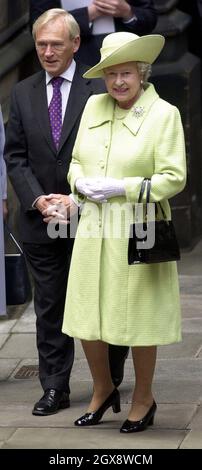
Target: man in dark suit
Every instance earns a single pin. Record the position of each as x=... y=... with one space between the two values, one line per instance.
x=135 y=16
x=38 y=165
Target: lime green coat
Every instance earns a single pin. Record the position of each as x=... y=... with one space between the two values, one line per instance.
x=106 y=298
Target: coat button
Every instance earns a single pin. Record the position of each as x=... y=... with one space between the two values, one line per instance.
x=59 y=162
x=102 y=165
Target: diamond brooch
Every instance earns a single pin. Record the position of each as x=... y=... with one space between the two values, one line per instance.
x=138 y=111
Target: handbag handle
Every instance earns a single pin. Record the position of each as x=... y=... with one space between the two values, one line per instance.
x=13 y=238
x=142 y=190
x=147 y=182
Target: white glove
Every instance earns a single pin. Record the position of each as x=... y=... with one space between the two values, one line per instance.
x=100 y=189
x=83 y=186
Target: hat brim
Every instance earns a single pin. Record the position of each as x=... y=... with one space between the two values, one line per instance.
x=143 y=49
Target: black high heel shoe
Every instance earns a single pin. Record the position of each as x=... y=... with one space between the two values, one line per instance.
x=137 y=426
x=94 y=417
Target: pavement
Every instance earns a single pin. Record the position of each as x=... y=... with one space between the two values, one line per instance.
x=177 y=385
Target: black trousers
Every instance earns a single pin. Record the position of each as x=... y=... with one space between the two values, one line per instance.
x=49 y=265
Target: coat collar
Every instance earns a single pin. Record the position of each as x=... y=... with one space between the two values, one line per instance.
x=136 y=115
x=104 y=112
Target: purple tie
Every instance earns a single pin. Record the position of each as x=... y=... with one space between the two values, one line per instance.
x=55 y=110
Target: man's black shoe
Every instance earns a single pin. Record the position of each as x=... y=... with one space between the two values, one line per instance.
x=51 y=402
x=117 y=357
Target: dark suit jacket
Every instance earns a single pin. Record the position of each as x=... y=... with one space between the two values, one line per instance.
x=34 y=166
x=90 y=45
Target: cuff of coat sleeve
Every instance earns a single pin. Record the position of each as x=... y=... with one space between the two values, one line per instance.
x=71 y=178
x=35 y=200
x=78 y=196
x=75 y=199
x=132 y=188
x=133 y=18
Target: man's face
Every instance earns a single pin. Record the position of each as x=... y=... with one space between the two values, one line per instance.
x=54 y=47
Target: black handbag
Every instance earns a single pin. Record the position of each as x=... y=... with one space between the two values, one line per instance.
x=18 y=286
x=165 y=245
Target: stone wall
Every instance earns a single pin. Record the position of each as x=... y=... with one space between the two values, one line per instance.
x=16 y=59
x=16 y=45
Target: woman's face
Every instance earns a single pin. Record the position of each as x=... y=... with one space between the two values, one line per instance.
x=123 y=83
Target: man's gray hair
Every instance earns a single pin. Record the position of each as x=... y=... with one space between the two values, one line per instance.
x=54 y=13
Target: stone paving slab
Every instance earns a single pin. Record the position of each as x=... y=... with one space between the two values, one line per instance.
x=28 y=391
x=6 y=368
x=27 y=323
x=19 y=416
x=79 y=354
x=169 y=391
x=200 y=353
x=191 y=305
x=191 y=285
x=20 y=345
x=182 y=369
x=5 y=433
x=192 y=325
x=98 y=438
x=178 y=380
x=190 y=263
x=3 y=338
x=188 y=347
x=173 y=369
x=7 y=325
x=193 y=440
x=21 y=363
x=20 y=391
x=165 y=392
x=197 y=420
x=178 y=392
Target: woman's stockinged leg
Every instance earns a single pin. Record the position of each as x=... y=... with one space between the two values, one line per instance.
x=144 y=360
x=98 y=360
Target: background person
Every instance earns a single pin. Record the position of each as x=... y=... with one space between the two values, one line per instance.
x=3 y=215
x=124 y=136
x=100 y=17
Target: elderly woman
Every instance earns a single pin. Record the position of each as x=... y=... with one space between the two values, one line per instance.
x=125 y=135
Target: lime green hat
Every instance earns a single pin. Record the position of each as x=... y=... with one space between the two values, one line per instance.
x=118 y=48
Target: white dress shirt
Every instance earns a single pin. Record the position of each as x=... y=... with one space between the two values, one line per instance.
x=65 y=91
x=65 y=87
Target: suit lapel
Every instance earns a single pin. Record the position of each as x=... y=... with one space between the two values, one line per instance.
x=79 y=93
x=40 y=109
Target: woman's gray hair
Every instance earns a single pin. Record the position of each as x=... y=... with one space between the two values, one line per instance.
x=145 y=70
x=54 y=13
